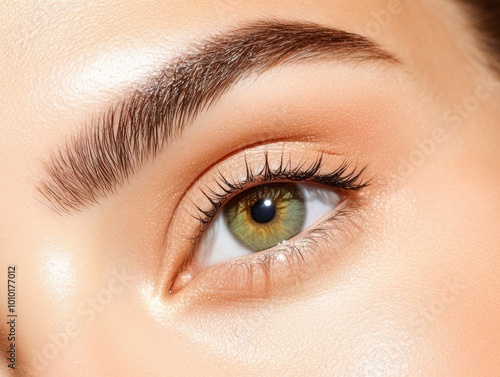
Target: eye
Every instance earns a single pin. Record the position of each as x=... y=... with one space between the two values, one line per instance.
x=263 y=217
x=265 y=210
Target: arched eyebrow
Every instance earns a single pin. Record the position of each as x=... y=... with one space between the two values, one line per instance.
x=100 y=158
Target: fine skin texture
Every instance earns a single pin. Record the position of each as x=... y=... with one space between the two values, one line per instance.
x=404 y=282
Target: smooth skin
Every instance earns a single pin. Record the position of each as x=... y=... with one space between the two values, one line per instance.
x=413 y=293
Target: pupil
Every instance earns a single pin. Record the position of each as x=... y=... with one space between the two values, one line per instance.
x=263 y=210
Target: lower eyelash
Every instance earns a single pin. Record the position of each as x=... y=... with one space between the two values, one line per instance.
x=346 y=177
x=254 y=274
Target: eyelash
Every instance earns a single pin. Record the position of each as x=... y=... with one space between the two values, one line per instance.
x=346 y=177
x=338 y=228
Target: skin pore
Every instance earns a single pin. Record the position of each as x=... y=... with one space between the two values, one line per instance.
x=403 y=281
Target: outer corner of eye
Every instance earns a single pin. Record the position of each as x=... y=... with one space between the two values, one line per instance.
x=256 y=221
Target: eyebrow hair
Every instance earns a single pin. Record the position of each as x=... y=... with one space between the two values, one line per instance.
x=100 y=158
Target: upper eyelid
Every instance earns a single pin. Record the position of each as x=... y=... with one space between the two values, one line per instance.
x=102 y=156
x=348 y=176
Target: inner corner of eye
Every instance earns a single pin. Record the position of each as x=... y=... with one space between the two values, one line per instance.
x=258 y=219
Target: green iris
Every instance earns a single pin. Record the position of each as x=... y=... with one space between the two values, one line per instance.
x=266 y=215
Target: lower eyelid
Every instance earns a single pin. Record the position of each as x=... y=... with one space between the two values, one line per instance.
x=280 y=270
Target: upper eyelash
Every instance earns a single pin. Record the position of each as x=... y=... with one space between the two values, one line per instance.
x=345 y=177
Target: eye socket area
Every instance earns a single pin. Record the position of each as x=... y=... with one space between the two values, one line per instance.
x=240 y=272
x=263 y=219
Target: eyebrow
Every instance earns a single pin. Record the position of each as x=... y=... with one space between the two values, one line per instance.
x=115 y=143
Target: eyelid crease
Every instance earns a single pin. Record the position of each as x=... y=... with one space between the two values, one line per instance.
x=102 y=156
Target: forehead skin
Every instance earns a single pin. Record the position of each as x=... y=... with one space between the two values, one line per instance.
x=431 y=257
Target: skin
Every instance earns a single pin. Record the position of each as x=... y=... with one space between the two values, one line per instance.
x=413 y=291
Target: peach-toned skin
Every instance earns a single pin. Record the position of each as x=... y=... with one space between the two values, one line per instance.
x=414 y=293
